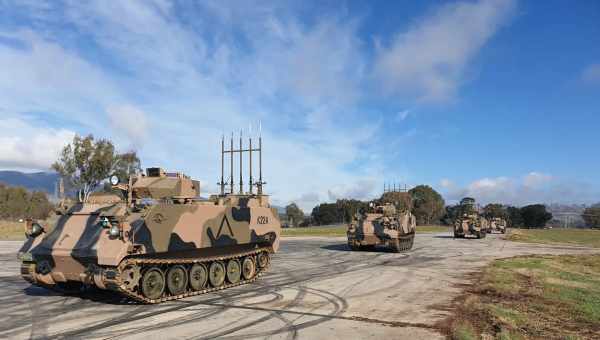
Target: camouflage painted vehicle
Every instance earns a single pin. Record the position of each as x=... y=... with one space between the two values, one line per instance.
x=157 y=242
x=382 y=224
x=497 y=224
x=469 y=221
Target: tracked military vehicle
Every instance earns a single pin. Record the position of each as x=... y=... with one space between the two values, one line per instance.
x=497 y=224
x=157 y=240
x=469 y=221
x=387 y=222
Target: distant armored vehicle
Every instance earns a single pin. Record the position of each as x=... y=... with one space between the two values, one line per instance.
x=469 y=221
x=157 y=241
x=497 y=224
x=383 y=224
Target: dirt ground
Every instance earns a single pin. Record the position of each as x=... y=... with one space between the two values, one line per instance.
x=315 y=289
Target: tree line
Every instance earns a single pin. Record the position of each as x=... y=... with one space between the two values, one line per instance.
x=429 y=207
x=17 y=203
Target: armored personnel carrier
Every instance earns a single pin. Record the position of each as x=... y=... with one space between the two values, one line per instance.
x=157 y=240
x=469 y=221
x=384 y=223
x=497 y=224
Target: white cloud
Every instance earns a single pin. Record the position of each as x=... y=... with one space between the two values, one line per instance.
x=446 y=183
x=430 y=59
x=24 y=146
x=536 y=179
x=129 y=121
x=186 y=82
x=591 y=74
x=534 y=187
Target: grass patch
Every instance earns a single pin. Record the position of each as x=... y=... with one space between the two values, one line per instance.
x=424 y=229
x=11 y=230
x=340 y=230
x=533 y=297
x=585 y=237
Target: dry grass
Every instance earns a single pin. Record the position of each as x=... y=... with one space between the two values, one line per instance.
x=12 y=230
x=532 y=297
x=584 y=237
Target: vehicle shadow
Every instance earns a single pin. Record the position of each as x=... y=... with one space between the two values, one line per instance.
x=345 y=247
x=443 y=236
x=88 y=293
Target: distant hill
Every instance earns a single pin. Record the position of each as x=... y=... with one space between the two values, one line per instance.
x=39 y=181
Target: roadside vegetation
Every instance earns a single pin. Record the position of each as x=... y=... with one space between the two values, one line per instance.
x=583 y=237
x=532 y=297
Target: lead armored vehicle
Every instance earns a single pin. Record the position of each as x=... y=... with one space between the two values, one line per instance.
x=469 y=221
x=384 y=223
x=157 y=240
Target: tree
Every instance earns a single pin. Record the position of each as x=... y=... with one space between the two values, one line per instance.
x=85 y=163
x=17 y=202
x=450 y=215
x=428 y=204
x=402 y=200
x=347 y=208
x=535 y=215
x=326 y=213
x=591 y=216
x=494 y=210
x=515 y=220
x=294 y=214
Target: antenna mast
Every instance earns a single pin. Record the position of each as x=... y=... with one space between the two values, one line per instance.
x=231 y=151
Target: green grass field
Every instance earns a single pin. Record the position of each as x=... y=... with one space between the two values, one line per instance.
x=584 y=237
x=555 y=297
x=340 y=230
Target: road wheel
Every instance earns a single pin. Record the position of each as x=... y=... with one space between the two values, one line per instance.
x=216 y=273
x=263 y=259
x=153 y=283
x=248 y=267
x=198 y=276
x=234 y=271
x=478 y=234
x=177 y=280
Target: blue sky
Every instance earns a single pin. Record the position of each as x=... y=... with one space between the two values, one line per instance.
x=495 y=99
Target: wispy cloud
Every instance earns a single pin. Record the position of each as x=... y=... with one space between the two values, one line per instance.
x=534 y=187
x=430 y=59
x=163 y=76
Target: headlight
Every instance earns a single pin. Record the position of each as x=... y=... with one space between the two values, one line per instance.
x=104 y=222
x=114 y=180
x=114 y=231
x=36 y=229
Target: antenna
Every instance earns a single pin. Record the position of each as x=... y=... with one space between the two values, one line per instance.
x=231 y=169
x=250 y=184
x=241 y=180
x=222 y=183
x=231 y=151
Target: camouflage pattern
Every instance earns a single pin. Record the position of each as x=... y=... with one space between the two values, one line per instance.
x=162 y=219
x=469 y=221
x=497 y=224
x=382 y=225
